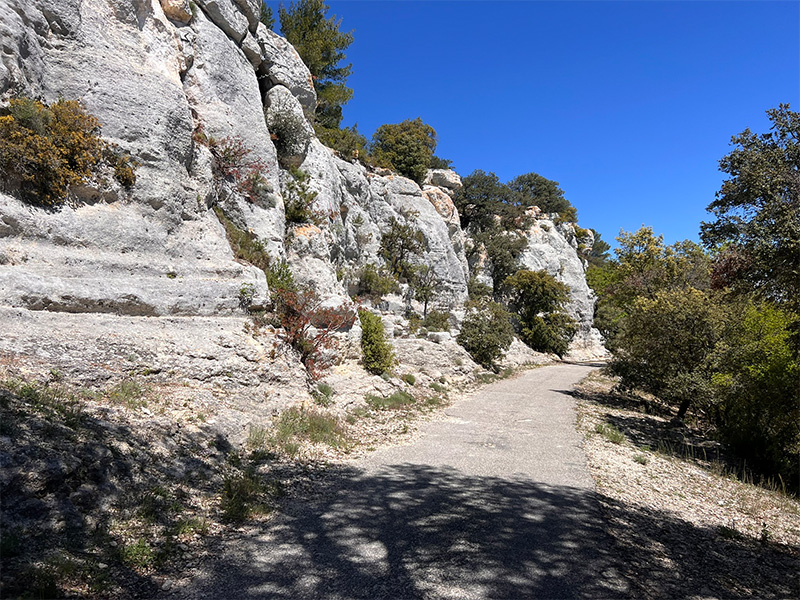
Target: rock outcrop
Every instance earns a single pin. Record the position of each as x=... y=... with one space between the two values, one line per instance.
x=172 y=82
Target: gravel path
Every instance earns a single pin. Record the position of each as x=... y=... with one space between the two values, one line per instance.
x=494 y=501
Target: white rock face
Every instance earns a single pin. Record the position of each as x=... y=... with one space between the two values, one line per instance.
x=163 y=77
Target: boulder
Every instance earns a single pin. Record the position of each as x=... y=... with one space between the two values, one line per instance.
x=228 y=16
x=282 y=66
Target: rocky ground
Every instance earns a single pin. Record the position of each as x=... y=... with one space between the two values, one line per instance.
x=118 y=470
x=690 y=524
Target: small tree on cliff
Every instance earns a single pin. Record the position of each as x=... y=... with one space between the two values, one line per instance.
x=321 y=46
x=406 y=147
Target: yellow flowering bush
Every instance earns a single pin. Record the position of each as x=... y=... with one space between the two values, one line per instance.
x=46 y=149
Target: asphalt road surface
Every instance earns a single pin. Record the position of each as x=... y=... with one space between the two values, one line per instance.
x=495 y=501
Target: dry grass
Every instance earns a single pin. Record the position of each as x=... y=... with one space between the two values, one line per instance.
x=706 y=525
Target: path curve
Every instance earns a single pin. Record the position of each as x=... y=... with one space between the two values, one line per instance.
x=494 y=501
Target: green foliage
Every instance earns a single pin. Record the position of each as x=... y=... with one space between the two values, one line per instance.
x=298 y=199
x=375 y=347
x=644 y=266
x=486 y=333
x=437 y=321
x=241 y=496
x=477 y=290
x=538 y=300
x=128 y=393
x=598 y=253
x=266 y=16
x=665 y=345
x=321 y=46
x=245 y=245
x=755 y=388
x=757 y=211
x=279 y=277
x=484 y=204
x=296 y=425
x=531 y=189
x=323 y=394
x=611 y=433
x=503 y=248
x=376 y=283
x=440 y=163
x=348 y=143
x=45 y=150
x=399 y=243
x=406 y=147
x=424 y=283
x=398 y=399
x=408 y=378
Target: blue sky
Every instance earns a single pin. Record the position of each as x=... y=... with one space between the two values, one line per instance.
x=628 y=105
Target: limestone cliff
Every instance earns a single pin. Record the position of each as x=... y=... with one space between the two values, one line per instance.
x=119 y=280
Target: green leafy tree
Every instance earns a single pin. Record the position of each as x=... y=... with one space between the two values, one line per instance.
x=643 y=266
x=538 y=300
x=424 y=284
x=665 y=346
x=398 y=244
x=321 y=46
x=484 y=203
x=406 y=147
x=755 y=388
x=486 y=333
x=531 y=189
x=757 y=211
x=375 y=347
x=503 y=249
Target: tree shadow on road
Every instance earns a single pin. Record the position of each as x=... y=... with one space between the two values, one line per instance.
x=412 y=531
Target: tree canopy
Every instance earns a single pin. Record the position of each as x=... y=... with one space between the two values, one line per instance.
x=538 y=299
x=757 y=212
x=321 y=46
x=531 y=189
x=406 y=147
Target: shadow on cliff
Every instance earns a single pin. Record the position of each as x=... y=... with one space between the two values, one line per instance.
x=413 y=531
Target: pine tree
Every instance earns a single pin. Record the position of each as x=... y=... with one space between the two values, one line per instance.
x=321 y=46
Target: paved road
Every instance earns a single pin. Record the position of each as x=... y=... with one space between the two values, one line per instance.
x=495 y=501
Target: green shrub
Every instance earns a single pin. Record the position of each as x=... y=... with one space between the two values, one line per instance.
x=440 y=163
x=241 y=494
x=45 y=150
x=478 y=291
x=437 y=321
x=347 y=142
x=298 y=199
x=398 y=399
x=406 y=147
x=296 y=425
x=755 y=389
x=538 y=300
x=486 y=333
x=376 y=349
x=438 y=387
x=376 y=283
x=323 y=394
x=408 y=378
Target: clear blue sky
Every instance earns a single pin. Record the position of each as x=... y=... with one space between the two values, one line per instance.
x=628 y=105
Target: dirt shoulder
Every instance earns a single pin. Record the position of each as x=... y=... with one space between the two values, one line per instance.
x=689 y=527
